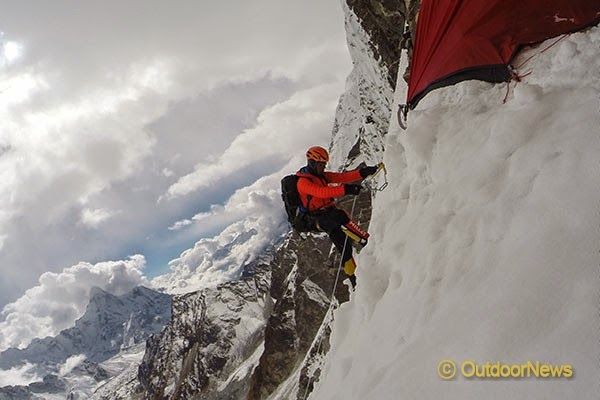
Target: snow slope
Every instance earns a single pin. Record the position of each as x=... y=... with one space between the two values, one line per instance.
x=485 y=247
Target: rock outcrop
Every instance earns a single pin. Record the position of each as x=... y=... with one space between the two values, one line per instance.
x=296 y=336
x=212 y=343
x=265 y=335
x=304 y=274
x=384 y=21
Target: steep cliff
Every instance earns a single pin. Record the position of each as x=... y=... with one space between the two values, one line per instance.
x=383 y=21
x=296 y=336
x=210 y=350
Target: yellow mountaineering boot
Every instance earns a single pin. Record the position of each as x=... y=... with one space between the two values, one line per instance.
x=349 y=268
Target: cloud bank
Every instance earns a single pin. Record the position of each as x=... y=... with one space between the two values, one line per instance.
x=60 y=298
x=105 y=107
x=282 y=131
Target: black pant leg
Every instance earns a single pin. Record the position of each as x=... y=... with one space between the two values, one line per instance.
x=330 y=221
x=342 y=242
x=332 y=218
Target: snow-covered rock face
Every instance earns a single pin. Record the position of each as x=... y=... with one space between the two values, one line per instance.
x=363 y=114
x=304 y=273
x=111 y=324
x=383 y=20
x=485 y=245
x=295 y=341
x=213 y=333
x=220 y=259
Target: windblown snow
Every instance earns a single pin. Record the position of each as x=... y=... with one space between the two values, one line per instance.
x=485 y=246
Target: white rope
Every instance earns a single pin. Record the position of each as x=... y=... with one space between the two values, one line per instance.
x=331 y=302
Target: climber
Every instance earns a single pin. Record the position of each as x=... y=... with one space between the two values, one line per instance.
x=317 y=189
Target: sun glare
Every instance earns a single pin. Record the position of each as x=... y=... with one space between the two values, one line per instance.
x=12 y=51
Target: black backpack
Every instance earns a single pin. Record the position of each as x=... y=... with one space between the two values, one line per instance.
x=300 y=221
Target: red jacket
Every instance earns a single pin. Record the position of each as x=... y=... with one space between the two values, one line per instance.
x=318 y=192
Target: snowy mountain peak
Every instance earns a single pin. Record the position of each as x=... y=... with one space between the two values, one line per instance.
x=220 y=259
x=97 y=291
x=109 y=325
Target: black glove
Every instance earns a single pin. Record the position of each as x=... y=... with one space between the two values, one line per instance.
x=366 y=171
x=352 y=189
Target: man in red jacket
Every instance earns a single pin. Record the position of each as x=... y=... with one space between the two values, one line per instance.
x=318 y=190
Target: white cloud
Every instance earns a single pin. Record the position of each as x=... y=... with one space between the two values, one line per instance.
x=219 y=259
x=71 y=363
x=21 y=375
x=19 y=88
x=93 y=218
x=180 y=225
x=282 y=130
x=73 y=149
x=134 y=94
x=61 y=298
x=255 y=211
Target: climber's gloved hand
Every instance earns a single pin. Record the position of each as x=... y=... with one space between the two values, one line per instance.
x=367 y=171
x=352 y=189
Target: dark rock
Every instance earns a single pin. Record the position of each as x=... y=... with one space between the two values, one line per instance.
x=212 y=332
x=17 y=393
x=384 y=21
x=303 y=278
x=50 y=384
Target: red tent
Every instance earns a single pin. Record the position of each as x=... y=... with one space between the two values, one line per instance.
x=458 y=40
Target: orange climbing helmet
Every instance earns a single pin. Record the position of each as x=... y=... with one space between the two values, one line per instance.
x=317 y=153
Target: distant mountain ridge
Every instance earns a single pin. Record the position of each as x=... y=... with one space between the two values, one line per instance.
x=109 y=325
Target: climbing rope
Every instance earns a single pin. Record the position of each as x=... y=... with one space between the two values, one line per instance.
x=367 y=183
x=544 y=50
x=515 y=76
x=332 y=301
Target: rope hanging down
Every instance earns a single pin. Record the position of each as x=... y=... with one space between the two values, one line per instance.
x=369 y=184
x=332 y=302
